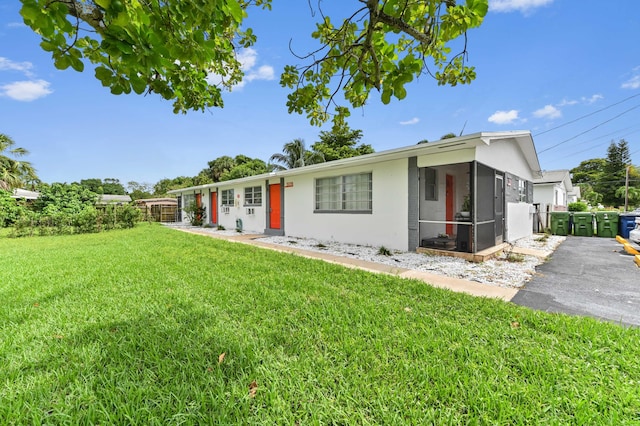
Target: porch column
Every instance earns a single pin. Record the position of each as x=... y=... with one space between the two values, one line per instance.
x=413 y=200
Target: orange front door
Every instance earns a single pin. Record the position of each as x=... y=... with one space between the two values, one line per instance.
x=214 y=208
x=274 y=206
x=449 y=214
x=199 y=204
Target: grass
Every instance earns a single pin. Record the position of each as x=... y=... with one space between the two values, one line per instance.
x=154 y=326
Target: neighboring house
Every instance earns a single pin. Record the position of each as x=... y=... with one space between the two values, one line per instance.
x=104 y=199
x=25 y=194
x=574 y=195
x=160 y=209
x=401 y=199
x=552 y=192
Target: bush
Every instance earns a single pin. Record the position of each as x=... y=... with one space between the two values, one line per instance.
x=196 y=214
x=578 y=206
x=10 y=209
x=128 y=216
x=52 y=221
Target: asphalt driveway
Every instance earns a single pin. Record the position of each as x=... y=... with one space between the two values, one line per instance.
x=587 y=276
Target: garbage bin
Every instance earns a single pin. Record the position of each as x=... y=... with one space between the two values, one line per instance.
x=607 y=224
x=583 y=224
x=627 y=223
x=560 y=223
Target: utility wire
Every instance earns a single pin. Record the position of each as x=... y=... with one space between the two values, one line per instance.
x=588 y=115
x=593 y=128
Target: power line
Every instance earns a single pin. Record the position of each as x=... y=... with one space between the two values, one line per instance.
x=587 y=115
x=588 y=130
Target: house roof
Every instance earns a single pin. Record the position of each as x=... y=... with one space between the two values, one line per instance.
x=555 y=176
x=521 y=137
x=156 y=201
x=23 y=193
x=110 y=198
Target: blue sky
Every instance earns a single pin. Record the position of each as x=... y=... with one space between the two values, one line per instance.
x=567 y=71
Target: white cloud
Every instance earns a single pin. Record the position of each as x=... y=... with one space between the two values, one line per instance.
x=503 y=117
x=593 y=99
x=414 y=120
x=523 y=6
x=265 y=72
x=26 y=91
x=634 y=81
x=248 y=59
x=16 y=25
x=549 y=111
x=566 y=102
x=9 y=65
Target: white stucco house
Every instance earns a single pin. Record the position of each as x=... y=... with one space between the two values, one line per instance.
x=552 y=192
x=25 y=194
x=402 y=198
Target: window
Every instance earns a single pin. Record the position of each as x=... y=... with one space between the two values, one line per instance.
x=227 y=197
x=522 y=190
x=430 y=184
x=188 y=199
x=349 y=193
x=253 y=196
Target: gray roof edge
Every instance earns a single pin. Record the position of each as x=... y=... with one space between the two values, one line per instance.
x=469 y=140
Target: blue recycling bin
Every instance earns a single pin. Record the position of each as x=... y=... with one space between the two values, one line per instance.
x=627 y=223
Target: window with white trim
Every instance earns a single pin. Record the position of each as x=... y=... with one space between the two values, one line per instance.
x=348 y=193
x=226 y=197
x=253 y=196
x=522 y=190
x=188 y=199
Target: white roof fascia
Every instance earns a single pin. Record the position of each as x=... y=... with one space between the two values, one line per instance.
x=451 y=144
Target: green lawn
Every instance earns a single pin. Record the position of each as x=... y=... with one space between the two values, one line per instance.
x=128 y=327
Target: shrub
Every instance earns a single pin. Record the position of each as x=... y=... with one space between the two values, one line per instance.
x=578 y=206
x=10 y=209
x=128 y=216
x=196 y=214
x=383 y=251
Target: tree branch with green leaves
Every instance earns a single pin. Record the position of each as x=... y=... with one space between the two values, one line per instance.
x=174 y=48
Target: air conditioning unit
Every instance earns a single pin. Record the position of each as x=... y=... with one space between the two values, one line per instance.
x=225 y=209
x=251 y=210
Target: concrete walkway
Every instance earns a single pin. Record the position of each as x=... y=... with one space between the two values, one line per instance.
x=454 y=284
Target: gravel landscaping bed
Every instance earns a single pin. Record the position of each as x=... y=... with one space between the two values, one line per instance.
x=507 y=270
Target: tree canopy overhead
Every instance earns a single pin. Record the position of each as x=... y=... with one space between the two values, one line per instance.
x=174 y=47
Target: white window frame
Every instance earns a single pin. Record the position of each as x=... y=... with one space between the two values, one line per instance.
x=344 y=194
x=253 y=195
x=188 y=199
x=227 y=197
x=522 y=190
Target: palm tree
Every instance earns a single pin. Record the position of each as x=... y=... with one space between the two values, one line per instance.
x=295 y=154
x=14 y=173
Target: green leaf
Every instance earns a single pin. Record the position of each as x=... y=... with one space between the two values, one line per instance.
x=386 y=96
x=77 y=64
x=480 y=7
x=138 y=85
x=235 y=10
x=62 y=62
x=104 y=75
x=103 y=3
x=48 y=46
